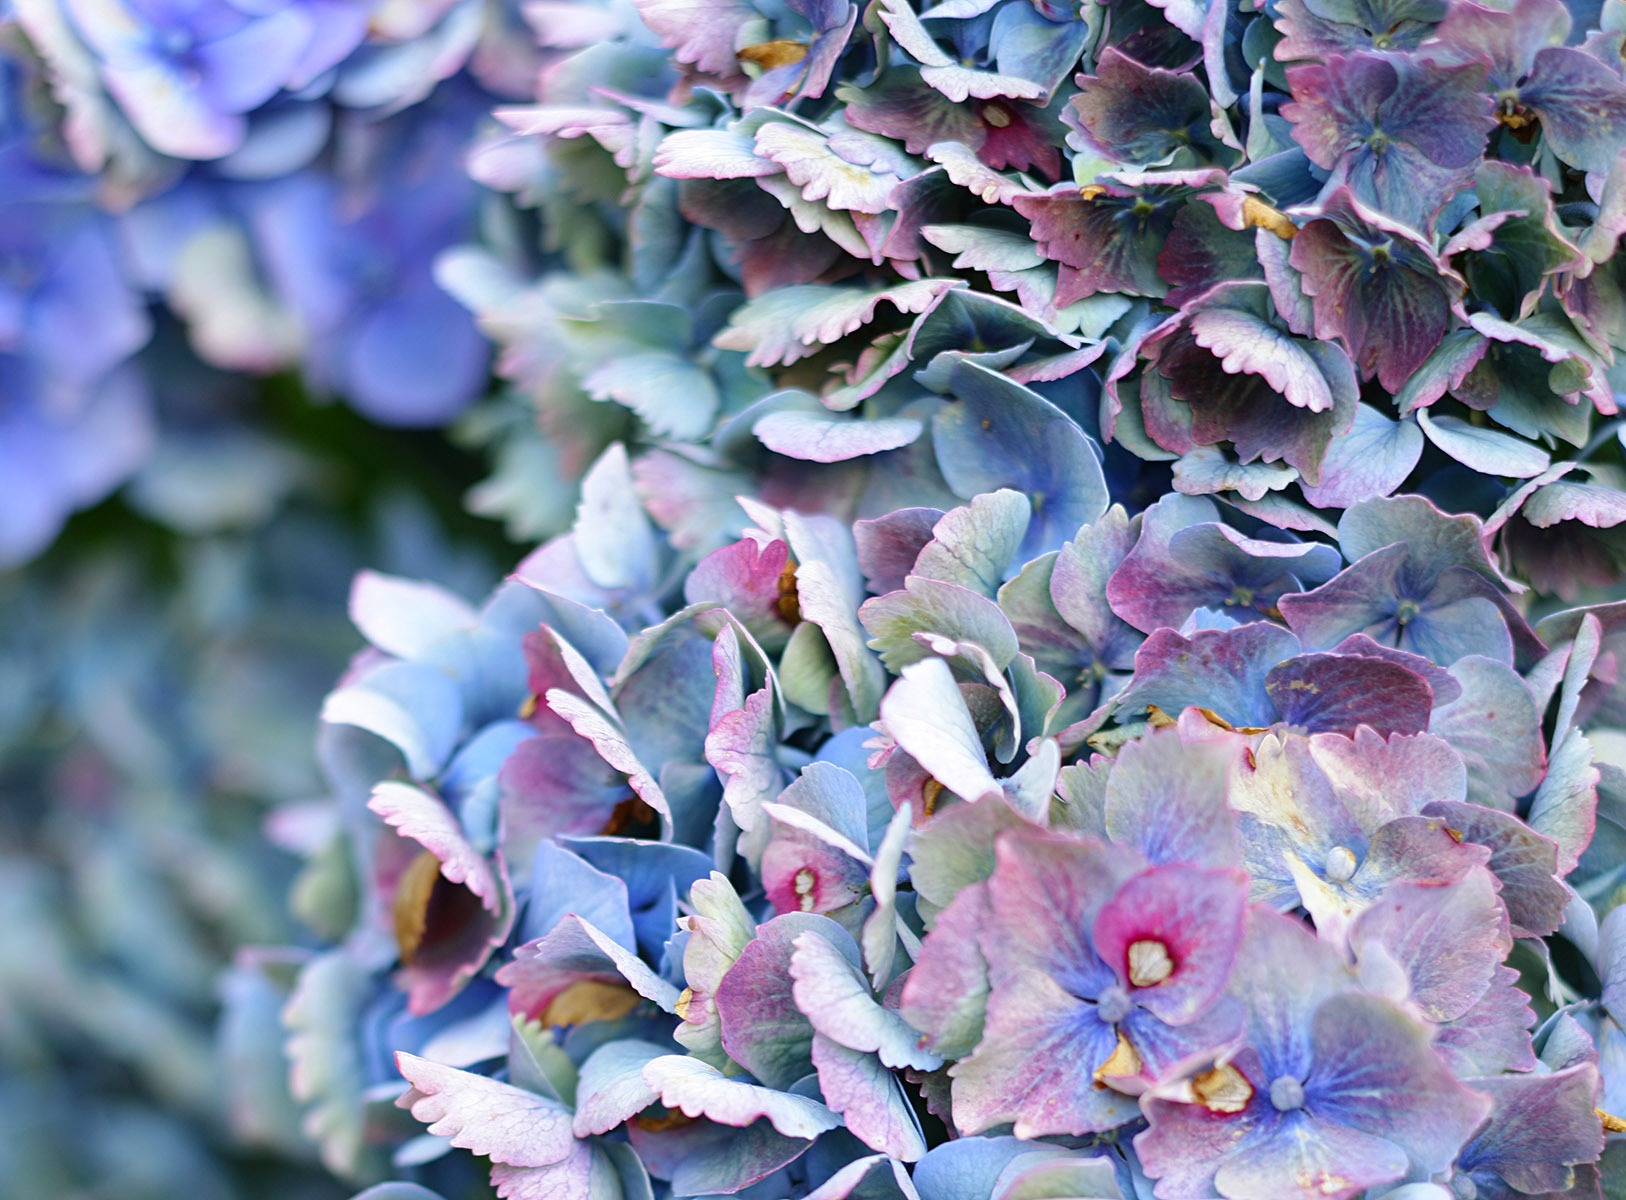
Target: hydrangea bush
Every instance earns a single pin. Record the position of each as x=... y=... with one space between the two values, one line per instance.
x=1076 y=648
x=1054 y=680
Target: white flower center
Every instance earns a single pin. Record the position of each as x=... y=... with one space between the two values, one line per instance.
x=1149 y=963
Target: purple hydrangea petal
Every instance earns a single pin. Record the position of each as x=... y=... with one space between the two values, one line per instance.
x=1167 y=798
x=1402 y=133
x=1376 y=286
x=1177 y=567
x=701 y=1090
x=1494 y=726
x=1522 y=859
x=1447 y=941
x=1172 y=932
x=1381 y=778
x=1372 y=459
x=1494 y=1034
x=1336 y=693
x=870 y=1099
x=763 y=1030
x=1220 y=670
x=1581 y=104
x=246 y=67
x=700 y=34
x=1100 y=242
x=1309 y=1158
x=1317 y=28
x=1374 y=1072
x=1540 y=1128
x=888 y=546
x=837 y=1001
x=946 y=992
x=1138 y=114
x=496 y=1120
x=1033 y=1066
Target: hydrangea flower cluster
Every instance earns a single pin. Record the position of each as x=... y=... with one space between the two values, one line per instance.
x=1046 y=680
x=280 y=177
x=1413 y=220
x=947 y=846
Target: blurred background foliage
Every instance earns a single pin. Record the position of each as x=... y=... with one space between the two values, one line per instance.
x=161 y=668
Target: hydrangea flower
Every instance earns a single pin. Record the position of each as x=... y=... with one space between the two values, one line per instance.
x=1332 y=1093
x=821 y=863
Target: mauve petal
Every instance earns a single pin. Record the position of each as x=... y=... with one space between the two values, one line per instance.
x=1195 y=916
x=1542 y=1125
x=1044 y=896
x=1521 y=858
x=171 y=115
x=416 y=359
x=1379 y=779
x=1448 y=941
x=1389 y=314
x=1283 y=975
x=1187 y=1143
x=870 y=1098
x=1035 y=1065
x=1334 y=693
x=1309 y=1159
x=1582 y=106
x=946 y=993
x=755 y=582
x=555 y=784
x=1170 y=1051
x=763 y=1030
x=1220 y=670
x=248 y=66
x=1167 y=798
x=1374 y=1071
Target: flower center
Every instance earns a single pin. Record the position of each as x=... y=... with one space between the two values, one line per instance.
x=174 y=42
x=996 y=116
x=1286 y=1093
x=1340 y=864
x=803 y=884
x=1114 y=1005
x=1122 y=1063
x=1222 y=1090
x=1406 y=611
x=1149 y=962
